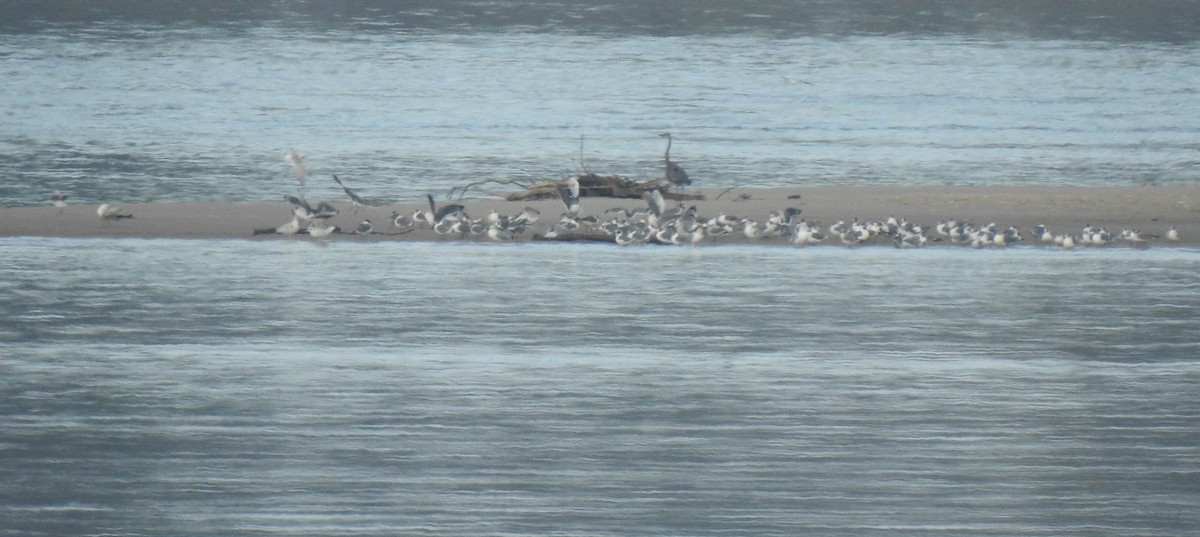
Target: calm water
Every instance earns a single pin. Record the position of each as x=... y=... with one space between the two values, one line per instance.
x=283 y=388
x=198 y=387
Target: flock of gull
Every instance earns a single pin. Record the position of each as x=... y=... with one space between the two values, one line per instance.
x=655 y=223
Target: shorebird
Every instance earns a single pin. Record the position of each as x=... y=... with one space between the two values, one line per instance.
x=59 y=200
x=108 y=212
x=1173 y=234
x=364 y=228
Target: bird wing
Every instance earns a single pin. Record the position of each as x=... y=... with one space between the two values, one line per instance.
x=297 y=161
x=569 y=198
x=353 y=197
x=655 y=199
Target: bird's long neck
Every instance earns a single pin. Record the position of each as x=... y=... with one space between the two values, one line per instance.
x=667 y=153
x=432 y=207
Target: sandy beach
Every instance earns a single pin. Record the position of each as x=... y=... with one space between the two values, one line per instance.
x=1064 y=210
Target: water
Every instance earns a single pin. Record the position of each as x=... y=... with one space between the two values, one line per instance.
x=207 y=387
x=153 y=103
x=272 y=388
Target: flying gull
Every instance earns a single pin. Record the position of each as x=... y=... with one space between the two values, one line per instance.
x=294 y=158
x=357 y=200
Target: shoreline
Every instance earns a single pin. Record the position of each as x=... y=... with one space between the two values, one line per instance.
x=1063 y=209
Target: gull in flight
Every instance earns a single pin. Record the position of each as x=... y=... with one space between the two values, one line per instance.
x=357 y=200
x=294 y=158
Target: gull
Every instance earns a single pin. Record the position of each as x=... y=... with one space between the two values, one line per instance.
x=59 y=200
x=570 y=195
x=300 y=208
x=654 y=198
x=290 y=228
x=357 y=200
x=401 y=221
x=1042 y=233
x=1173 y=234
x=321 y=229
x=364 y=228
x=108 y=212
x=497 y=233
x=1133 y=235
x=528 y=216
x=325 y=210
x=294 y=158
x=751 y=229
x=441 y=214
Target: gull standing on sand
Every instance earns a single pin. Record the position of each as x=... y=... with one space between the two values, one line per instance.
x=59 y=200
x=1173 y=234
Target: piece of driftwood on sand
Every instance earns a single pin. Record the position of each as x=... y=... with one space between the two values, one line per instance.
x=611 y=186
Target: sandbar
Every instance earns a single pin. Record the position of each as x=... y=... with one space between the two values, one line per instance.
x=1151 y=209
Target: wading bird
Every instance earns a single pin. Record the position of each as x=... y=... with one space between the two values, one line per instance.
x=674 y=173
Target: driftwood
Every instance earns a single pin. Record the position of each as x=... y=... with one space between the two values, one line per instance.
x=576 y=236
x=612 y=186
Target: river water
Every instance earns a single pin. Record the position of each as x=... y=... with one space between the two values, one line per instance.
x=152 y=104
x=172 y=387
x=228 y=387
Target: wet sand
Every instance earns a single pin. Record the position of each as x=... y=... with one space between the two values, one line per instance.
x=1065 y=209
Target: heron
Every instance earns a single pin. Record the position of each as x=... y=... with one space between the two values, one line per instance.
x=674 y=173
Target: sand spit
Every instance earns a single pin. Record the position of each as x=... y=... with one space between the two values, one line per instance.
x=1065 y=210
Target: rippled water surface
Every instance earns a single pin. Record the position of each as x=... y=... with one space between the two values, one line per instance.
x=235 y=387
x=400 y=102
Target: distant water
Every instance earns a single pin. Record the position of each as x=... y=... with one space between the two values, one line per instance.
x=150 y=101
x=171 y=387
